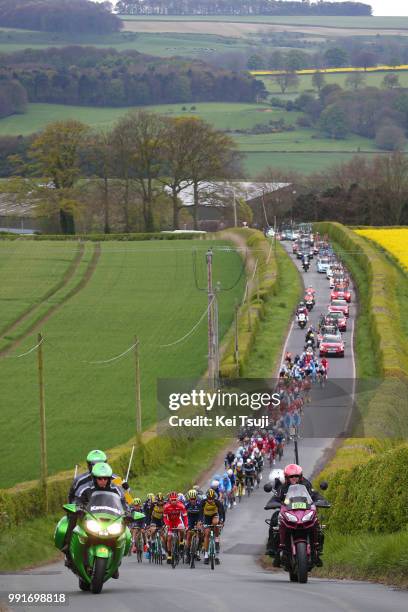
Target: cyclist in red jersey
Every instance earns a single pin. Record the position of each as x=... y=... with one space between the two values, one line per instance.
x=174 y=517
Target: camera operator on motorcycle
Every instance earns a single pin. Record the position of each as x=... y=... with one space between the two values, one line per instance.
x=293 y=475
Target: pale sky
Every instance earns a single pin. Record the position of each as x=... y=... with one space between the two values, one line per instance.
x=398 y=8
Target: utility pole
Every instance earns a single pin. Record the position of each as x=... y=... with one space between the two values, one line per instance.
x=236 y=348
x=43 y=437
x=235 y=207
x=274 y=232
x=210 y=318
x=138 y=395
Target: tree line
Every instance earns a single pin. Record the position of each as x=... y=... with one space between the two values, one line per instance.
x=109 y=78
x=240 y=7
x=72 y=16
x=128 y=178
x=13 y=97
x=363 y=191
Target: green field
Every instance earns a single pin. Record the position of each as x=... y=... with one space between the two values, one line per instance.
x=143 y=288
x=164 y=44
x=372 y=79
x=261 y=150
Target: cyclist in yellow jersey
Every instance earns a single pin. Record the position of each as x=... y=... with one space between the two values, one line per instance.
x=212 y=515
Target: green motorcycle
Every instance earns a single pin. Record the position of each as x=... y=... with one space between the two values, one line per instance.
x=99 y=540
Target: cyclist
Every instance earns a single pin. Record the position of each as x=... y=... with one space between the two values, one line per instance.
x=250 y=473
x=137 y=525
x=156 y=518
x=229 y=460
x=194 y=516
x=232 y=477
x=174 y=517
x=148 y=508
x=226 y=489
x=213 y=515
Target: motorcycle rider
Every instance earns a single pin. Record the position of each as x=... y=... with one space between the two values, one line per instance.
x=101 y=479
x=294 y=475
x=93 y=457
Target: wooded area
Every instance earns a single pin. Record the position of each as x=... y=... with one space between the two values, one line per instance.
x=74 y=16
x=240 y=7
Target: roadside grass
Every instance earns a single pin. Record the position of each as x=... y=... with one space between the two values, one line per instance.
x=379 y=557
x=145 y=289
x=273 y=328
x=32 y=543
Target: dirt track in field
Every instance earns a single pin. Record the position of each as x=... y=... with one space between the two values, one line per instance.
x=238 y=29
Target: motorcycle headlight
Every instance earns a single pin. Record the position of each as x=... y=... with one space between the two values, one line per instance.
x=291 y=517
x=115 y=528
x=92 y=526
x=308 y=516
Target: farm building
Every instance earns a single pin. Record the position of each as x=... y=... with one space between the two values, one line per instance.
x=21 y=218
x=219 y=201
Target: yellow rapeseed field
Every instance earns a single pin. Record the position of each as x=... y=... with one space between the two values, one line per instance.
x=394 y=240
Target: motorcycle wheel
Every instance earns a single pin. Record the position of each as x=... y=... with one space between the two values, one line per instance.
x=293 y=577
x=302 y=562
x=84 y=585
x=98 y=575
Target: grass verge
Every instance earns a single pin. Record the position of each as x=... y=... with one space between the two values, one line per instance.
x=273 y=327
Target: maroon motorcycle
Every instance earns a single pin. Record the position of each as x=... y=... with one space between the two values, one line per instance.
x=299 y=526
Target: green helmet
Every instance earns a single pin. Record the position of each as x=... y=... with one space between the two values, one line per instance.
x=94 y=457
x=102 y=470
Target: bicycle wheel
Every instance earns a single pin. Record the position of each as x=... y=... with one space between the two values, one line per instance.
x=174 y=550
x=159 y=550
x=193 y=550
x=139 y=548
x=211 y=551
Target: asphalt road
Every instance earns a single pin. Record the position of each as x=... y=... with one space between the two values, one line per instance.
x=239 y=583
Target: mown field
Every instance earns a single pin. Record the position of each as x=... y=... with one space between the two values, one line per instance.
x=146 y=289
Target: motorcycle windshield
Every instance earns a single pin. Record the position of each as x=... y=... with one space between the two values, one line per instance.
x=106 y=502
x=298 y=498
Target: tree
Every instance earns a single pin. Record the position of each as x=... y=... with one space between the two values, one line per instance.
x=287 y=80
x=390 y=81
x=390 y=137
x=138 y=140
x=318 y=80
x=212 y=156
x=333 y=122
x=255 y=62
x=55 y=156
x=355 y=80
x=100 y=152
x=336 y=57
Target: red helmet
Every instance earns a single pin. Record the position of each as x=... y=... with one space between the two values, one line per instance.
x=293 y=470
x=173 y=496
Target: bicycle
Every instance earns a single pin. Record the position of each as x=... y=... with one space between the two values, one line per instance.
x=194 y=545
x=176 y=552
x=156 y=550
x=212 y=549
x=139 y=546
x=249 y=485
x=240 y=490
